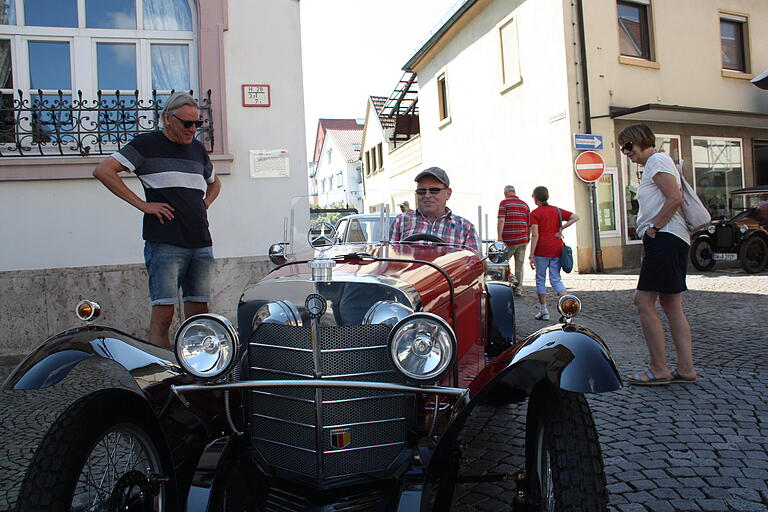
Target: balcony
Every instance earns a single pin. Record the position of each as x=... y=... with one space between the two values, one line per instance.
x=59 y=124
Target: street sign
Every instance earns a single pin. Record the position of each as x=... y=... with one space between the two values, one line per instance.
x=589 y=166
x=587 y=141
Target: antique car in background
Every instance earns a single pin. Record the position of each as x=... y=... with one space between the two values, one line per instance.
x=361 y=228
x=345 y=386
x=739 y=237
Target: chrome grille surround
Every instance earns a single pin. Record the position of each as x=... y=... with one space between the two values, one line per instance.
x=288 y=424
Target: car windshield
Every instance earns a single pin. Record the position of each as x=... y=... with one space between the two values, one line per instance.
x=746 y=201
x=361 y=223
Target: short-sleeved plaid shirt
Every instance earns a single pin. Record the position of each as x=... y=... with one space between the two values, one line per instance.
x=451 y=228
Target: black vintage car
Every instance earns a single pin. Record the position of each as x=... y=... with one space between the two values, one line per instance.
x=737 y=238
x=345 y=386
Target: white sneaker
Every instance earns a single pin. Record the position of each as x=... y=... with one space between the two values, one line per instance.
x=541 y=316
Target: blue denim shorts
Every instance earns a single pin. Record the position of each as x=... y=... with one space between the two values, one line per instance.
x=170 y=267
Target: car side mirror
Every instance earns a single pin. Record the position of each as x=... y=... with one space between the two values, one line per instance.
x=497 y=252
x=277 y=254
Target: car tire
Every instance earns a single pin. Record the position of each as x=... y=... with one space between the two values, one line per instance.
x=87 y=456
x=701 y=254
x=564 y=463
x=753 y=255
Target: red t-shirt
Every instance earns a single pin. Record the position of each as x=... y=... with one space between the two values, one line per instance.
x=546 y=217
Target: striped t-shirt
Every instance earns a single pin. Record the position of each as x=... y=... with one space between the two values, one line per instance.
x=173 y=173
x=515 y=214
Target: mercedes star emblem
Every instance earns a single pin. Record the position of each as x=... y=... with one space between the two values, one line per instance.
x=315 y=305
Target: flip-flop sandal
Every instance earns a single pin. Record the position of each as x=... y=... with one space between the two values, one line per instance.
x=676 y=377
x=651 y=379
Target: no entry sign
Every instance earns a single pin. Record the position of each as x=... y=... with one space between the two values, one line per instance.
x=589 y=166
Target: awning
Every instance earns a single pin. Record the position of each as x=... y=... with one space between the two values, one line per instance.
x=690 y=115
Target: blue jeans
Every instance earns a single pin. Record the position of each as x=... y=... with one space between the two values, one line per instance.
x=170 y=267
x=553 y=265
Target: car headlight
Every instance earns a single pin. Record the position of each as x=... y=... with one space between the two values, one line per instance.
x=422 y=346
x=743 y=228
x=711 y=229
x=206 y=345
x=282 y=312
x=386 y=312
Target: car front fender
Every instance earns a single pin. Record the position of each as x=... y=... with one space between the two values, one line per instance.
x=570 y=356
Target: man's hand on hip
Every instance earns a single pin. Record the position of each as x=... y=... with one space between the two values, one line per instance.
x=159 y=210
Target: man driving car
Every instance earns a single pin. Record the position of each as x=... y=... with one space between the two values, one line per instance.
x=432 y=218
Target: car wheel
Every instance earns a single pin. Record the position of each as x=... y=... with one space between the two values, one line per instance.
x=564 y=463
x=91 y=463
x=701 y=254
x=753 y=255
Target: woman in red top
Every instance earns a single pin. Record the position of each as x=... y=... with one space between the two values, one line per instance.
x=546 y=246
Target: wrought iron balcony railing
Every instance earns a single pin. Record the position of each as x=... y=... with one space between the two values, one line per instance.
x=67 y=125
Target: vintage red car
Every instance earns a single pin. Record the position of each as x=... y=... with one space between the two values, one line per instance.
x=345 y=386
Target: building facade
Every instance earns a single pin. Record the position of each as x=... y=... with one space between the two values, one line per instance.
x=504 y=85
x=78 y=79
x=336 y=172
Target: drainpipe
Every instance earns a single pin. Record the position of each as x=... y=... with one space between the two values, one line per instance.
x=588 y=129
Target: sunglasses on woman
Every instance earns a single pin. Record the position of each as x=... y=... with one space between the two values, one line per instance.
x=627 y=146
x=188 y=124
x=434 y=191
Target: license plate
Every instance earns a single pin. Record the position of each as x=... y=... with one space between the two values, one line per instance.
x=725 y=256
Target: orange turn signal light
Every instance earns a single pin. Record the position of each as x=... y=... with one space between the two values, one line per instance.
x=569 y=305
x=87 y=310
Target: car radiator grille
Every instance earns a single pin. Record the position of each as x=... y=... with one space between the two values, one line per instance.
x=296 y=428
x=725 y=236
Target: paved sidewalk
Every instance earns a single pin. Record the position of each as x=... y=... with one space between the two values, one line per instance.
x=681 y=447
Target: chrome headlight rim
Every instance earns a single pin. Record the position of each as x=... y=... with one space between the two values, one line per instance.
x=232 y=339
x=446 y=363
x=386 y=312
x=283 y=312
x=569 y=306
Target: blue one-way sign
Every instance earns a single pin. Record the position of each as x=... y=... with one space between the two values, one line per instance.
x=587 y=141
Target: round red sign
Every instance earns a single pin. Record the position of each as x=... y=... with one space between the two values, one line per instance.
x=589 y=166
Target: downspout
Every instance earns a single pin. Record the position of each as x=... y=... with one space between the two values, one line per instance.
x=588 y=130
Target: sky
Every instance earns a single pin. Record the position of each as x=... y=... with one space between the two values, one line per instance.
x=352 y=49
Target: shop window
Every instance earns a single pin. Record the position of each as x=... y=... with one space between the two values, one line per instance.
x=607 y=204
x=733 y=36
x=717 y=169
x=760 y=148
x=632 y=173
x=634 y=29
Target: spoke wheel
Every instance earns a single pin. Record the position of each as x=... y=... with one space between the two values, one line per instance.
x=564 y=463
x=94 y=464
x=701 y=254
x=753 y=255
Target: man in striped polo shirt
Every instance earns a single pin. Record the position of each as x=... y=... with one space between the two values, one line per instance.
x=513 y=230
x=179 y=184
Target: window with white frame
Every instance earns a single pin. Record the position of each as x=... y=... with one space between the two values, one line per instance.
x=717 y=170
x=442 y=98
x=733 y=38
x=92 y=45
x=631 y=174
x=510 y=57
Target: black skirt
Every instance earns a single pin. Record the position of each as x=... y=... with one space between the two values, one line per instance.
x=665 y=261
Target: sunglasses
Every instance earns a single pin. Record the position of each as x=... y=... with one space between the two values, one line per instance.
x=627 y=146
x=434 y=191
x=188 y=124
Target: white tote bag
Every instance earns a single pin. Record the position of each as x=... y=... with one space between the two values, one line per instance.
x=694 y=212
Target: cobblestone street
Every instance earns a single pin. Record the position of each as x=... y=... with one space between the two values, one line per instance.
x=682 y=447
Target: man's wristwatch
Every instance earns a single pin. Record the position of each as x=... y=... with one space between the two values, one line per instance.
x=655 y=228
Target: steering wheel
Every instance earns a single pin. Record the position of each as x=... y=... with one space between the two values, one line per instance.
x=423 y=237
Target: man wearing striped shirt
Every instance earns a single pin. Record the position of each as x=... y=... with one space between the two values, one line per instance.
x=432 y=216
x=513 y=230
x=179 y=184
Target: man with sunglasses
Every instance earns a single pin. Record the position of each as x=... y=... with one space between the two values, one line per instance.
x=432 y=216
x=179 y=185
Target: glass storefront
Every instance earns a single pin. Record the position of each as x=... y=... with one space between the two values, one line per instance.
x=717 y=169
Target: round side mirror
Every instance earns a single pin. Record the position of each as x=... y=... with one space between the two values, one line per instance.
x=277 y=254
x=498 y=253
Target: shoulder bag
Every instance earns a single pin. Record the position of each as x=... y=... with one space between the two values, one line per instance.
x=694 y=212
x=566 y=257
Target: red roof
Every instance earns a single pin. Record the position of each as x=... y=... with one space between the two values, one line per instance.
x=323 y=125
